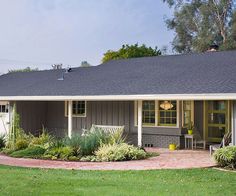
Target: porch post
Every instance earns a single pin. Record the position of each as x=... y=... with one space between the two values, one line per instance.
x=69 y=119
x=233 y=123
x=140 y=123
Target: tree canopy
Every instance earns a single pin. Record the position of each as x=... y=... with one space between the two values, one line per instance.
x=27 y=69
x=85 y=64
x=130 y=51
x=201 y=23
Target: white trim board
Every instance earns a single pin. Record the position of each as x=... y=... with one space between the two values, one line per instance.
x=212 y=96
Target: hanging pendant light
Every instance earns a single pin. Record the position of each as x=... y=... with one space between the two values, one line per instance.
x=166 y=105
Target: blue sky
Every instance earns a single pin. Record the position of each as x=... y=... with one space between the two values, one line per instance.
x=39 y=33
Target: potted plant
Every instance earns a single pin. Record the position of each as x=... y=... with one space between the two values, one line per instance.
x=190 y=128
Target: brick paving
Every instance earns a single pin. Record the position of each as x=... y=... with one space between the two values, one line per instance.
x=178 y=159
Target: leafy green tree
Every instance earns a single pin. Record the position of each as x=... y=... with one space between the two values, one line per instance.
x=27 y=69
x=85 y=64
x=130 y=51
x=201 y=23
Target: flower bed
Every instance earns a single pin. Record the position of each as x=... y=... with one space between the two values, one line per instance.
x=96 y=145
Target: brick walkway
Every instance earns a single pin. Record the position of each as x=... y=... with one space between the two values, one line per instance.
x=167 y=160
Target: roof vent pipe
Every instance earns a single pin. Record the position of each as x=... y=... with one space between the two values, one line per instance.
x=61 y=78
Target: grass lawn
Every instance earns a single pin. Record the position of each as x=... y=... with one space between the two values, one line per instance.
x=22 y=181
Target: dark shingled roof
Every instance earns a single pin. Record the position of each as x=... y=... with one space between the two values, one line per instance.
x=210 y=72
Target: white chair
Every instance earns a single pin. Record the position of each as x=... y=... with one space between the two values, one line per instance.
x=225 y=142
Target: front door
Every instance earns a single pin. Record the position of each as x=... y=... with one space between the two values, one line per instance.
x=4 y=118
x=217 y=120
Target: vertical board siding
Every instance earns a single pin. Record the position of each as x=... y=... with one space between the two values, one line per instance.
x=51 y=114
x=198 y=116
x=32 y=115
x=109 y=113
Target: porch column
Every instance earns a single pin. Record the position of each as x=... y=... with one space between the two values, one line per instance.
x=233 y=122
x=140 y=123
x=69 y=119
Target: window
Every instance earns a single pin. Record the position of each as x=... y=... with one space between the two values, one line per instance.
x=187 y=113
x=167 y=113
x=78 y=108
x=148 y=112
x=158 y=113
x=3 y=109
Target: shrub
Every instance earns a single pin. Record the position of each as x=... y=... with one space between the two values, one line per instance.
x=31 y=152
x=226 y=157
x=62 y=153
x=88 y=143
x=21 y=143
x=88 y=158
x=73 y=158
x=2 y=141
x=44 y=140
x=119 y=152
x=73 y=142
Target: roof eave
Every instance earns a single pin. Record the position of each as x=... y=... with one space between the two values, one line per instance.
x=205 y=96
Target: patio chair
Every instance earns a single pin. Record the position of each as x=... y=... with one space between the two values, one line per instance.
x=198 y=140
x=225 y=142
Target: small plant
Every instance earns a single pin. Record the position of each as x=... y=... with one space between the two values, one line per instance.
x=21 y=143
x=44 y=140
x=119 y=152
x=16 y=131
x=62 y=153
x=191 y=126
x=2 y=141
x=226 y=157
x=31 y=152
x=88 y=143
x=89 y=158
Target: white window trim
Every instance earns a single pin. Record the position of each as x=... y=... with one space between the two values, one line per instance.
x=192 y=112
x=78 y=115
x=156 y=115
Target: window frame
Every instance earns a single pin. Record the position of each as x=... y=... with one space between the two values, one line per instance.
x=159 y=114
x=76 y=115
x=156 y=115
x=6 y=108
x=150 y=124
x=191 y=113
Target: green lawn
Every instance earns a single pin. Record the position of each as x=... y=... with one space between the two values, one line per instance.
x=21 y=181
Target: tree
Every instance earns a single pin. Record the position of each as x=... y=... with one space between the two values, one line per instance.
x=201 y=23
x=130 y=51
x=27 y=69
x=85 y=64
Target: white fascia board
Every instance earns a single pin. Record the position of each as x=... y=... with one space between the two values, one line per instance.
x=212 y=96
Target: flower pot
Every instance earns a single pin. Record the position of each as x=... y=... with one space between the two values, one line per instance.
x=172 y=147
x=190 y=132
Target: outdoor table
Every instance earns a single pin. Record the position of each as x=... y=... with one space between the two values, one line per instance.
x=187 y=139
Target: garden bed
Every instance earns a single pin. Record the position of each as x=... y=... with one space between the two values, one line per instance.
x=96 y=146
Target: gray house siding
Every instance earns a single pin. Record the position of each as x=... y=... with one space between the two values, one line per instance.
x=32 y=115
x=51 y=114
x=198 y=116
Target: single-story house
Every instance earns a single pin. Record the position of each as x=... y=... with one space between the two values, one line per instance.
x=155 y=98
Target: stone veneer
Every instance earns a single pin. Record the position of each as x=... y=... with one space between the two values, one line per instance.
x=154 y=140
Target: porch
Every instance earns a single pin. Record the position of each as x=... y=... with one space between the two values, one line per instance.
x=147 y=123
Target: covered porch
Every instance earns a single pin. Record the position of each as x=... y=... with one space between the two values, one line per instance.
x=148 y=122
